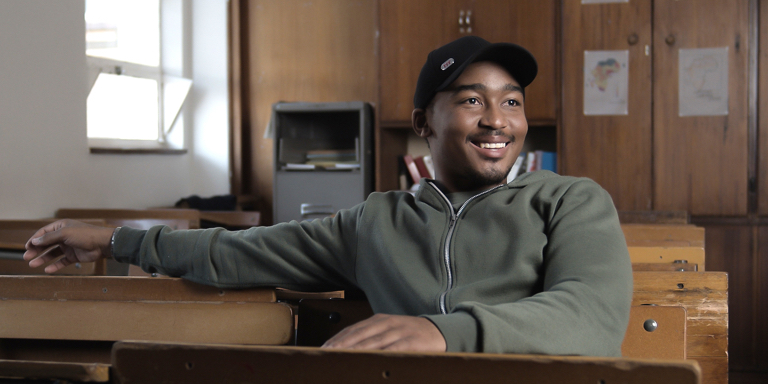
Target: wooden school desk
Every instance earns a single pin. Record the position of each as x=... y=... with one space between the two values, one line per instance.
x=147 y=363
x=14 y=235
x=73 y=321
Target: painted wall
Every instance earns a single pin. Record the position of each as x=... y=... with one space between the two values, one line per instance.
x=44 y=159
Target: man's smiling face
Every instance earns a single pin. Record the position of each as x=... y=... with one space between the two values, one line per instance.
x=475 y=128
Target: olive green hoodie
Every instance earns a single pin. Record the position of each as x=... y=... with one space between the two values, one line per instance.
x=539 y=265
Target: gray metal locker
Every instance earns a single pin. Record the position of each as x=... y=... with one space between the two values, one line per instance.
x=323 y=158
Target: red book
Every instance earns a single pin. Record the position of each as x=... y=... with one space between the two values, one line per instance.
x=412 y=169
x=422 y=167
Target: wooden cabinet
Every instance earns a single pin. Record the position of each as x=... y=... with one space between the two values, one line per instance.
x=760 y=170
x=653 y=158
x=410 y=29
x=700 y=162
x=615 y=151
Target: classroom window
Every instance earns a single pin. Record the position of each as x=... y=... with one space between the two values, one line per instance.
x=133 y=49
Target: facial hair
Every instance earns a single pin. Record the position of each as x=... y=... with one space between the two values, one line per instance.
x=492 y=175
x=489 y=176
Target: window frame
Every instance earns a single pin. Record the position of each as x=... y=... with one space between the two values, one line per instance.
x=169 y=74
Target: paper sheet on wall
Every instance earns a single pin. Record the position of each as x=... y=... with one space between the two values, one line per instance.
x=606 y=82
x=703 y=82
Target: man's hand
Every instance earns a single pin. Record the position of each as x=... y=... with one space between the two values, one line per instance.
x=78 y=242
x=390 y=332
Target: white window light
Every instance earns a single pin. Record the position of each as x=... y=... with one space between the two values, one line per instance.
x=134 y=52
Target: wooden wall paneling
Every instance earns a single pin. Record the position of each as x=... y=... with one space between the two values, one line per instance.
x=319 y=51
x=409 y=31
x=762 y=136
x=760 y=302
x=391 y=143
x=729 y=248
x=531 y=24
x=615 y=151
x=700 y=162
x=239 y=134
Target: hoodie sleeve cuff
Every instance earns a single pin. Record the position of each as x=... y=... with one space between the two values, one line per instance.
x=460 y=331
x=127 y=244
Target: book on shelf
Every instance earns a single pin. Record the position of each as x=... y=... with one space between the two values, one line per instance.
x=430 y=166
x=321 y=165
x=533 y=161
x=421 y=166
x=411 y=169
x=549 y=161
x=402 y=174
x=326 y=159
x=299 y=167
x=515 y=171
x=343 y=155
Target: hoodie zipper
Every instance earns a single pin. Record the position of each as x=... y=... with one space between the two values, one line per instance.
x=449 y=237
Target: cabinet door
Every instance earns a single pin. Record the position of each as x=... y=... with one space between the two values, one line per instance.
x=531 y=24
x=409 y=31
x=613 y=150
x=700 y=162
x=762 y=135
x=761 y=306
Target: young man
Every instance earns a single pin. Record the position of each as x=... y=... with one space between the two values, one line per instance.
x=469 y=263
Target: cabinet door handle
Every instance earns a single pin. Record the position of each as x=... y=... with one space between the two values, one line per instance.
x=316 y=209
x=670 y=40
x=465 y=18
x=469 y=21
x=632 y=39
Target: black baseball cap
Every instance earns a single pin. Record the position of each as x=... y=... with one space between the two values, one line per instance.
x=445 y=64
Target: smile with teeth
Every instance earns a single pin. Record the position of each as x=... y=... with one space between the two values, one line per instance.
x=492 y=145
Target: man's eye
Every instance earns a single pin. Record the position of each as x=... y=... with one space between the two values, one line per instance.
x=472 y=100
x=512 y=103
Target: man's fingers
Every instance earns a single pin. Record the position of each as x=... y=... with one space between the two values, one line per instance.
x=59 y=264
x=390 y=332
x=354 y=333
x=44 y=257
x=44 y=238
x=47 y=238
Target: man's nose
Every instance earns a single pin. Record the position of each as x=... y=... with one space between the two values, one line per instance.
x=493 y=118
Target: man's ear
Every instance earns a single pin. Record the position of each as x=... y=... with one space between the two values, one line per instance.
x=419 y=123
